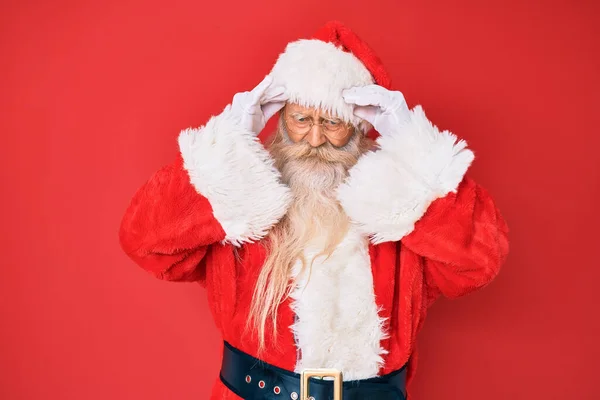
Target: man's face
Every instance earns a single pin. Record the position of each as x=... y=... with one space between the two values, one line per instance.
x=314 y=150
x=315 y=126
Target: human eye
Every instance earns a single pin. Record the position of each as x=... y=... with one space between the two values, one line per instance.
x=332 y=123
x=300 y=118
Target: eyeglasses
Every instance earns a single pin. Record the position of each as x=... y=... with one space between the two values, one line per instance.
x=300 y=124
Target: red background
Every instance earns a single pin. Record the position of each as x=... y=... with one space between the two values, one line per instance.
x=95 y=93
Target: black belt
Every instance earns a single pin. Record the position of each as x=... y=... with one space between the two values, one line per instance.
x=254 y=379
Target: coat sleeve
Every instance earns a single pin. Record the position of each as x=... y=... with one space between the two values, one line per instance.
x=413 y=189
x=463 y=240
x=222 y=189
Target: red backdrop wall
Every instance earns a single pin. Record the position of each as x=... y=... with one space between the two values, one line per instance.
x=95 y=93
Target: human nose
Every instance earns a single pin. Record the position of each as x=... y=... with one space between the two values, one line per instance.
x=315 y=136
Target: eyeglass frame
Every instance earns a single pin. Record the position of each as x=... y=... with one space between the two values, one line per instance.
x=349 y=128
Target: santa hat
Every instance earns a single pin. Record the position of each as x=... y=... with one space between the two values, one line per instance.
x=315 y=71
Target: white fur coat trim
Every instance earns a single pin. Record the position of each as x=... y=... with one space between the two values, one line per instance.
x=390 y=189
x=230 y=167
x=338 y=324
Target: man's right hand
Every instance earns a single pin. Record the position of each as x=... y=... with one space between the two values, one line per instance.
x=256 y=107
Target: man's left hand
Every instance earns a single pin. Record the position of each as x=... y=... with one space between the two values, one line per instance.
x=386 y=110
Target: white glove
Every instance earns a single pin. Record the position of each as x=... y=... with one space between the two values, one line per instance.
x=386 y=110
x=256 y=107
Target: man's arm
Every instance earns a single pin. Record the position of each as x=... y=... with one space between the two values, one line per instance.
x=223 y=188
x=463 y=239
x=413 y=189
x=168 y=226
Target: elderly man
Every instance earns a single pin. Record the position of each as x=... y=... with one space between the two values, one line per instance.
x=321 y=252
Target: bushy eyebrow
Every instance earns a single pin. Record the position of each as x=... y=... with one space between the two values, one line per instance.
x=303 y=114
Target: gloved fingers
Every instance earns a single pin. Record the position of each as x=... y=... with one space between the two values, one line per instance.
x=368 y=113
x=368 y=99
x=375 y=95
x=273 y=100
x=274 y=94
x=272 y=108
x=261 y=88
x=241 y=98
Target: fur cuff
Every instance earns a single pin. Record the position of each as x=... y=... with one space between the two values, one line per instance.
x=390 y=189
x=230 y=167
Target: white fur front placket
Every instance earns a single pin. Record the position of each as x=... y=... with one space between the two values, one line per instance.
x=337 y=323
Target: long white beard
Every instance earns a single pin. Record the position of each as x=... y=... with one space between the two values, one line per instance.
x=313 y=175
x=337 y=323
x=315 y=213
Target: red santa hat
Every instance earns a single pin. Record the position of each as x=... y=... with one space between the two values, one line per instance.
x=315 y=71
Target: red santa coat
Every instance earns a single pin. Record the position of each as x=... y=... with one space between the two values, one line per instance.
x=421 y=229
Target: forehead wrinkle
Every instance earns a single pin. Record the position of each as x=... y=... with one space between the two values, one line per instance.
x=321 y=113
